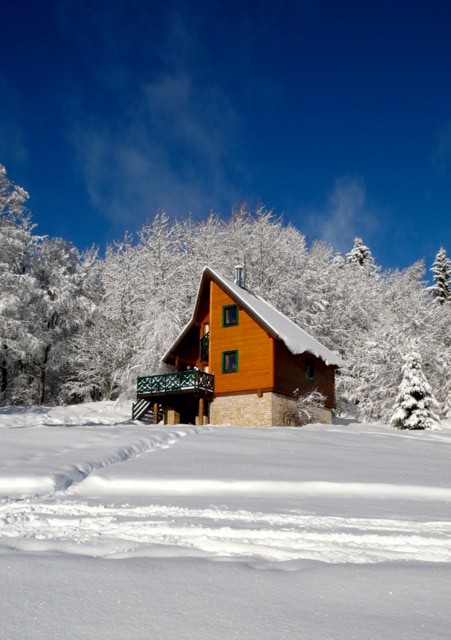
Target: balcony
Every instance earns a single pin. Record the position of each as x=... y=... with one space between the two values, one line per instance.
x=193 y=382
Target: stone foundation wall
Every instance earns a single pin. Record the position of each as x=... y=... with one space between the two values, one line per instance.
x=242 y=410
x=283 y=410
x=250 y=410
x=322 y=415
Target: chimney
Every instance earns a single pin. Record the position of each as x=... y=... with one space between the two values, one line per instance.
x=239 y=279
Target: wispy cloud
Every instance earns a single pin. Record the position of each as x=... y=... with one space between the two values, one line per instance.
x=167 y=152
x=346 y=214
x=165 y=140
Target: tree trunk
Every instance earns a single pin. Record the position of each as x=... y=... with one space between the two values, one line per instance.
x=4 y=372
x=43 y=368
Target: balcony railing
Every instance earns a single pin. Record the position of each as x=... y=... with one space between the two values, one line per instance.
x=193 y=381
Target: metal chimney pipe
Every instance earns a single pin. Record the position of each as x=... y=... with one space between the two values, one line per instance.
x=239 y=279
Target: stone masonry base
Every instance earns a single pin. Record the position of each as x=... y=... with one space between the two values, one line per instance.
x=252 y=410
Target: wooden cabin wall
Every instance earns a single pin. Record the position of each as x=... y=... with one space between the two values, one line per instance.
x=254 y=346
x=290 y=375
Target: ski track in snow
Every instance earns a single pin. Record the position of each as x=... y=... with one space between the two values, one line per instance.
x=18 y=484
x=160 y=530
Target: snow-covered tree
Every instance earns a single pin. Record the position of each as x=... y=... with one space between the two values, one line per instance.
x=18 y=287
x=12 y=198
x=441 y=269
x=447 y=407
x=45 y=300
x=309 y=406
x=60 y=310
x=75 y=327
x=415 y=406
x=360 y=255
x=269 y=251
x=109 y=342
x=447 y=402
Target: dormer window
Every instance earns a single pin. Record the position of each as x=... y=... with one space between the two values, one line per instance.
x=230 y=315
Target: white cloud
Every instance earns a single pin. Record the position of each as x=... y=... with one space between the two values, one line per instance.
x=346 y=214
x=152 y=135
x=167 y=152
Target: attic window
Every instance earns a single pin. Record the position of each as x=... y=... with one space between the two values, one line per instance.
x=230 y=315
x=310 y=370
x=229 y=361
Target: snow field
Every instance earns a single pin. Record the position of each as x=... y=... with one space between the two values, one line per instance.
x=110 y=529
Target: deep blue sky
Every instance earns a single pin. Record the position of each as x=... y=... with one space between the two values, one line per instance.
x=337 y=115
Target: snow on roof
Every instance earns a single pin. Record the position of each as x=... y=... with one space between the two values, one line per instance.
x=276 y=323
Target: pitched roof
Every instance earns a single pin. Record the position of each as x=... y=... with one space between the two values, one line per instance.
x=276 y=324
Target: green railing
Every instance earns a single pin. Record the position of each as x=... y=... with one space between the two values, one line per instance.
x=192 y=381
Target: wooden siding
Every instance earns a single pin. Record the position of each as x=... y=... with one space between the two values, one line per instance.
x=254 y=346
x=290 y=374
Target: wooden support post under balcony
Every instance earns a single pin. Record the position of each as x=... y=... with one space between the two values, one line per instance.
x=201 y=410
x=155 y=413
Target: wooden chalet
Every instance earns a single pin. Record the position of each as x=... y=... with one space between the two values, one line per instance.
x=238 y=361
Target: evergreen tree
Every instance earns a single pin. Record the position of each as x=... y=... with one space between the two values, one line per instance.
x=441 y=289
x=360 y=254
x=415 y=405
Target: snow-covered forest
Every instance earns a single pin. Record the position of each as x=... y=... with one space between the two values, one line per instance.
x=81 y=326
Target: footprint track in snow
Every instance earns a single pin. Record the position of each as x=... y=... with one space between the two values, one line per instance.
x=155 y=530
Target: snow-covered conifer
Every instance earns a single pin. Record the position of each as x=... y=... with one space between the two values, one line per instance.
x=360 y=254
x=441 y=289
x=415 y=406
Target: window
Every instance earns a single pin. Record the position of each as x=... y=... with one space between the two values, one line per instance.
x=310 y=370
x=230 y=315
x=229 y=361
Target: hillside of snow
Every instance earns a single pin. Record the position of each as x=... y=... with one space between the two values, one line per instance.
x=112 y=529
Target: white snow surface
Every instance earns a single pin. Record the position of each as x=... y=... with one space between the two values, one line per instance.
x=113 y=529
